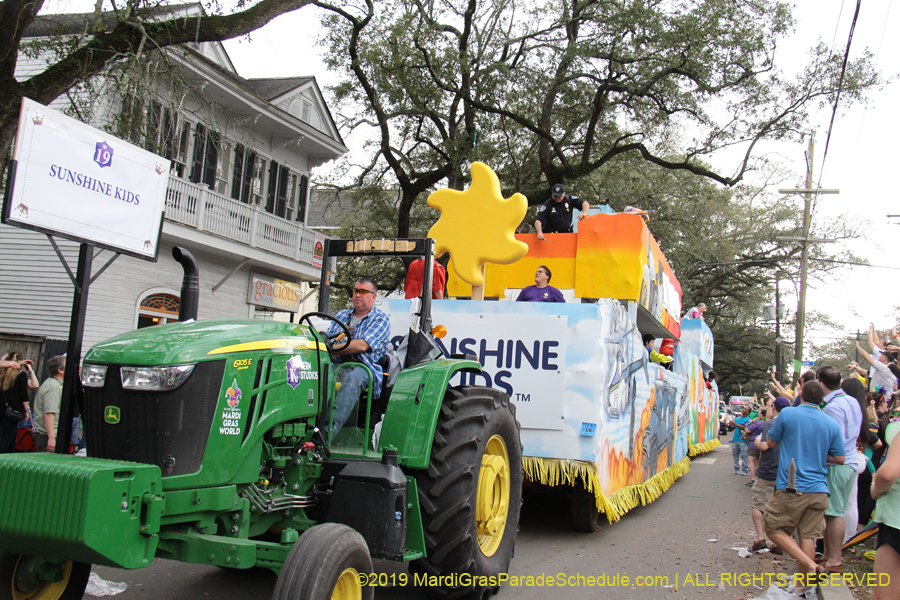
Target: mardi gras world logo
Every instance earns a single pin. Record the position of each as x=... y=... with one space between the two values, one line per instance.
x=233 y=395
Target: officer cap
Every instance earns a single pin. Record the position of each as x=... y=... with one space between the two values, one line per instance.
x=558 y=190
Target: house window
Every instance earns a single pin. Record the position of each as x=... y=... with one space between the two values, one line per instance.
x=206 y=155
x=244 y=178
x=291 y=196
x=158 y=309
x=157 y=129
x=277 y=197
x=223 y=167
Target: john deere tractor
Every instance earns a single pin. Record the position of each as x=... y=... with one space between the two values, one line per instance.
x=211 y=442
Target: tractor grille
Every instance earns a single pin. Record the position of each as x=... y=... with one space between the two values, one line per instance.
x=167 y=429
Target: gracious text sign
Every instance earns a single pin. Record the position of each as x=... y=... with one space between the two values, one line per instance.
x=274 y=293
x=80 y=183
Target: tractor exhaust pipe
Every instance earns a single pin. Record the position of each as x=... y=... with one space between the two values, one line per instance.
x=190 y=285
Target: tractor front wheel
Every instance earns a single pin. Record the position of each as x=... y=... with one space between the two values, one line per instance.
x=34 y=578
x=471 y=494
x=328 y=561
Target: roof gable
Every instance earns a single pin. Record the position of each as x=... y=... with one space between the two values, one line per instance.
x=299 y=97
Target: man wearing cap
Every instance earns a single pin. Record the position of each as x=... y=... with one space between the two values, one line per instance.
x=555 y=215
x=882 y=379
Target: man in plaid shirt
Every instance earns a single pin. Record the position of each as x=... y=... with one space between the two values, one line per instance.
x=371 y=330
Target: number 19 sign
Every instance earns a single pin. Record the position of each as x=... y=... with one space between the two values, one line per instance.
x=80 y=183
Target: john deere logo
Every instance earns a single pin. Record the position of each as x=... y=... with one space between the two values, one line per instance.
x=112 y=415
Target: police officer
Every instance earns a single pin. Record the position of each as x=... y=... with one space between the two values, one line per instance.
x=555 y=215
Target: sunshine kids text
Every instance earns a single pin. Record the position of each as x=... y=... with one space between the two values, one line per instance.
x=94 y=185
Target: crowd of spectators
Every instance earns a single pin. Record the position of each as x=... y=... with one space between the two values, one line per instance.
x=820 y=464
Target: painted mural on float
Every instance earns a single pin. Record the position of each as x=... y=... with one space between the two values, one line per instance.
x=582 y=383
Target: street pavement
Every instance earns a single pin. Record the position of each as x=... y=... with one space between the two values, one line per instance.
x=688 y=534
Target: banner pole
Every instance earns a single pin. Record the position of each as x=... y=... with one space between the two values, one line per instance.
x=71 y=380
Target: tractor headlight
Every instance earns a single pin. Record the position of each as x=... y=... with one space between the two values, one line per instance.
x=93 y=376
x=155 y=379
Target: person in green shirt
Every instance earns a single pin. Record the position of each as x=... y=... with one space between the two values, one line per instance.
x=46 y=406
x=886 y=492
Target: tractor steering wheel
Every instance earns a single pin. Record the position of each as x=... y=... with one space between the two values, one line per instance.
x=330 y=339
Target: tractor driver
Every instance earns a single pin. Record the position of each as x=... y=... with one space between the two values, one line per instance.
x=555 y=215
x=371 y=330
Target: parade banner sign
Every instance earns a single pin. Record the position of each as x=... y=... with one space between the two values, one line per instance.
x=528 y=363
x=77 y=182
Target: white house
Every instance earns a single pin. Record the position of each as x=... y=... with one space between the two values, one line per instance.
x=241 y=150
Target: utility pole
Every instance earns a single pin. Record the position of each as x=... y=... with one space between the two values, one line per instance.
x=808 y=194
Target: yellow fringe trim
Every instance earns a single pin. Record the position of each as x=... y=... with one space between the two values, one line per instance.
x=698 y=449
x=557 y=471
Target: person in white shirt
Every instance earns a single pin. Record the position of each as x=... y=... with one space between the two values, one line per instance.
x=882 y=379
x=696 y=312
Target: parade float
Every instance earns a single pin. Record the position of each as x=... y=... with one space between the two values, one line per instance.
x=596 y=414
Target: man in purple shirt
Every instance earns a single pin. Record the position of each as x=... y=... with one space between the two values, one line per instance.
x=541 y=291
x=846 y=412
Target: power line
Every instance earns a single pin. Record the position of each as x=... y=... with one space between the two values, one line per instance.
x=877 y=58
x=762 y=261
x=845 y=262
x=837 y=96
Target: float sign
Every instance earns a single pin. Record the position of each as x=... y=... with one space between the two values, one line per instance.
x=525 y=360
x=274 y=293
x=77 y=182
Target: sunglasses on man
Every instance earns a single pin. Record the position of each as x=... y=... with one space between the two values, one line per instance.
x=361 y=292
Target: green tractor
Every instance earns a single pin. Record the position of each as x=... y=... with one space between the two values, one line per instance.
x=210 y=442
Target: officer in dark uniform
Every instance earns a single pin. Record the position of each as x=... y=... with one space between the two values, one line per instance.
x=555 y=215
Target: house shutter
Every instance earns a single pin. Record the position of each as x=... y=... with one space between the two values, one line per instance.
x=301 y=198
x=273 y=187
x=199 y=151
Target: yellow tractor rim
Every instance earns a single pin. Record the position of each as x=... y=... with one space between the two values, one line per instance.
x=492 y=504
x=49 y=591
x=348 y=586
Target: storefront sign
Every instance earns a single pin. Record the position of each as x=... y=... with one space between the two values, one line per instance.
x=318 y=250
x=274 y=293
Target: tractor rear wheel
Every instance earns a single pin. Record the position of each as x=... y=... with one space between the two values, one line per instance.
x=26 y=577
x=326 y=562
x=471 y=494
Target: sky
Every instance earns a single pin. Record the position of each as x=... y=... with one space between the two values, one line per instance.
x=861 y=154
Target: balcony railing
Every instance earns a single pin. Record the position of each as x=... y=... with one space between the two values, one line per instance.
x=203 y=209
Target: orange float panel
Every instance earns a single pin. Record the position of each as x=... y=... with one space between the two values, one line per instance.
x=610 y=256
x=557 y=253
